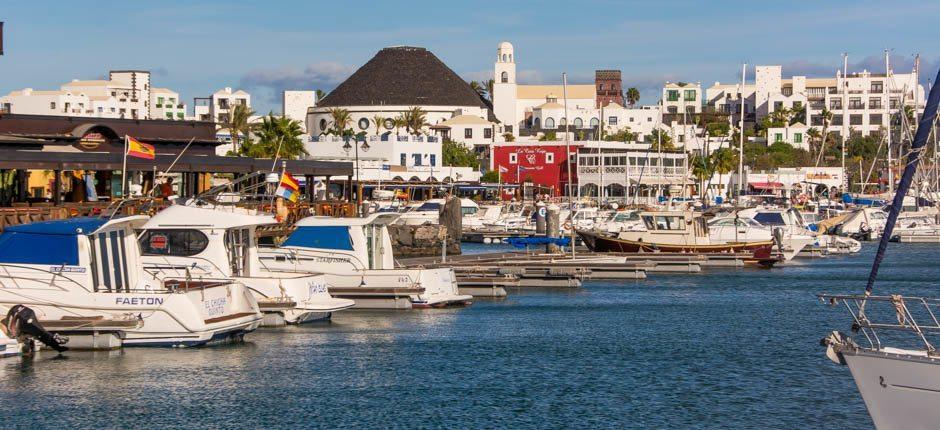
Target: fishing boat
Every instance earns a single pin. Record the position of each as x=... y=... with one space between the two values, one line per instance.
x=891 y=356
x=83 y=279
x=356 y=256
x=670 y=231
x=212 y=242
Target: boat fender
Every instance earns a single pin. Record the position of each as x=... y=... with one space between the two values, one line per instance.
x=21 y=323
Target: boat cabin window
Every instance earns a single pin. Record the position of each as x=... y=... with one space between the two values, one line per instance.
x=429 y=207
x=770 y=218
x=878 y=215
x=177 y=243
x=468 y=210
x=664 y=222
x=237 y=242
x=626 y=216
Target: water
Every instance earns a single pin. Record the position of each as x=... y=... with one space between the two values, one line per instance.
x=727 y=349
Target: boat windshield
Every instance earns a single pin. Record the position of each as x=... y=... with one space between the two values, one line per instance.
x=664 y=222
x=429 y=207
x=770 y=218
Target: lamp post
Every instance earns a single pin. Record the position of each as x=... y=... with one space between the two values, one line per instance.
x=365 y=147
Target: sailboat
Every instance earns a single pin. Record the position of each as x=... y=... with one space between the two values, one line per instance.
x=900 y=384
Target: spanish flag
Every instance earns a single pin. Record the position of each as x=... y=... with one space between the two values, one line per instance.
x=289 y=187
x=139 y=149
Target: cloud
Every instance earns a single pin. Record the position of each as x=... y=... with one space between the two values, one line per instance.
x=321 y=76
x=872 y=63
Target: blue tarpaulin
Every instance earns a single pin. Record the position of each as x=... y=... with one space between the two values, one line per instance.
x=522 y=242
x=321 y=237
x=46 y=242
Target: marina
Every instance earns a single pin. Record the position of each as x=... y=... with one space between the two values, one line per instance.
x=445 y=217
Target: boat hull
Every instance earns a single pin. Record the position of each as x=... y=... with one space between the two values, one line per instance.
x=600 y=243
x=901 y=390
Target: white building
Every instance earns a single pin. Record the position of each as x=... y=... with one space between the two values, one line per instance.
x=126 y=94
x=296 y=104
x=218 y=107
x=628 y=170
x=682 y=97
x=166 y=104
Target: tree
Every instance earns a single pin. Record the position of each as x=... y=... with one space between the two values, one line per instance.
x=341 y=120
x=398 y=122
x=277 y=136
x=458 y=155
x=720 y=128
x=490 y=177
x=658 y=137
x=379 y=122
x=548 y=136
x=239 y=124
x=489 y=88
x=724 y=160
x=415 y=119
x=478 y=87
x=633 y=96
x=320 y=95
x=509 y=137
x=622 y=135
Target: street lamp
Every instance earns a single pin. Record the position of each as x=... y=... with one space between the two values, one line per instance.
x=365 y=147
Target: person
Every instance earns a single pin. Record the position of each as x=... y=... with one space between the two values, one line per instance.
x=166 y=188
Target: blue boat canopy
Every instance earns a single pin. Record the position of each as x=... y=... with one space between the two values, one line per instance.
x=321 y=237
x=67 y=227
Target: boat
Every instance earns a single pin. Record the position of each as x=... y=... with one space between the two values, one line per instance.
x=670 y=231
x=792 y=224
x=83 y=279
x=430 y=211
x=356 y=257
x=9 y=346
x=212 y=242
x=899 y=379
x=734 y=229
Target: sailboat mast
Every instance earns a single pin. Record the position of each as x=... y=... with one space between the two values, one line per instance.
x=564 y=81
x=741 y=132
x=845 y=117
x=887 y=80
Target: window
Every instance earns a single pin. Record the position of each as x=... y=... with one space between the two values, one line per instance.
x=690 y=95
x=778 y=137
x=874 y=102
x=404 y=160
x=855 y=120
x=433 y=159
x=173 y=242
x=895 y=102
x=600 y=87
x=487 y=133
x=322 y=125
x=169 y=115
x=874 y=119
x=416 y=158
x=159 y=101
x=612 y=120
x=836 y=120
x=179 y=115
x=468 y=133
x=594 y=122
x=549 y=122
x=877 y=86
x=363 y=123
x=578 y=123
x=797 y=137
x=835 y=104
x=672 y=95
x=778 y=106
x=100 y=109
x=508 y=129
x=51 y=105
x=513 y=158
x=769 y=218
x=504 y=77
x=856 y=103
x=549 y=157
x=673 y=110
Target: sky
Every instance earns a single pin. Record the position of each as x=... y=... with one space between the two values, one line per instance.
x=196 y=48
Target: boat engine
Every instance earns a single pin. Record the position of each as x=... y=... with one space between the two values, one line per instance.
x=22 y=324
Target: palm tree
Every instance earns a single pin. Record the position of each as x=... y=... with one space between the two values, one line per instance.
x=826 y=115
x=277 y=137
x=379 y=122
x=415 y=119
x=633 y=96
x=814 y=135
x=478 y=87
x=489 y=88
x=238 y=124
x=398 y=122
x=341 y=121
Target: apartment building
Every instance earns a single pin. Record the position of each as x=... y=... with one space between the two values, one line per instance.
x=679 y=97
x=166 y=104
x=218 y=107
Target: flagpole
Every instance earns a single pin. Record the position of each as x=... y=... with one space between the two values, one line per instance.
x=153 y=189
x=124 y=171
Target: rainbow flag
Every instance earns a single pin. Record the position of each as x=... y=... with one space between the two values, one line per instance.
x=136 y=148
x=289 y=188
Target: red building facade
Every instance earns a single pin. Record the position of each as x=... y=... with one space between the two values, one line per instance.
x=545 y=165
x=609 y=86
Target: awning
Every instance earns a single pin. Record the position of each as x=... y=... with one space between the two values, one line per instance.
x=766 y=185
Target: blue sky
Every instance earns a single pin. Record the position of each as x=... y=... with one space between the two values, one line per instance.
x=264 y=47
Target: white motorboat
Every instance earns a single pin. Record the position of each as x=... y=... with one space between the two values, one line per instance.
x=430 y=211
x=864 y=224
x=738 y=229
x=793 y=224
x=218 y=242
x=356 y=256
x=82 y=277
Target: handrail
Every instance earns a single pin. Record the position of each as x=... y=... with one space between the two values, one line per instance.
x=859 y=306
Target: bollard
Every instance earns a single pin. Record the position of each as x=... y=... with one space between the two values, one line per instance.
x=451 y=218
x=540 y=218
x=552 y=227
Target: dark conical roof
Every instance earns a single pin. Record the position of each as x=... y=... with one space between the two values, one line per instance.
x=403 y=75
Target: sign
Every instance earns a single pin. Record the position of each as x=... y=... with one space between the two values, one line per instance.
x=158 y=241
x=91 y=141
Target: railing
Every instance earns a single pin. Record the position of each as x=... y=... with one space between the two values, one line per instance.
x=383 y=138
x=897 y=313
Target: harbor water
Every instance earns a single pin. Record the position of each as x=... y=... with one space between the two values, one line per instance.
x=721 y=349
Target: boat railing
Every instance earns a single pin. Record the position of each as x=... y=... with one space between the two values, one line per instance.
x=871 y=314
x=51 y=281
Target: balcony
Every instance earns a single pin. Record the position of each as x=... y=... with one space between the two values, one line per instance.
x=857 y=106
